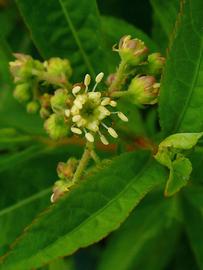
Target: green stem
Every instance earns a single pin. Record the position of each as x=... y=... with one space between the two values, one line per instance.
x=95 y=157
x=83 y=162
x=119 y=78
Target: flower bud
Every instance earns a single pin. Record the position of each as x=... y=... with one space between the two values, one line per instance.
x=110 y=79
x=143 y=90
x=22 y=92
x=56 y=127
x=32 y=106
x=132 y=51
x=59 y=68
x=22 y=68
x=66 y=170
x=58 y=101
x=45 y=109
x=59 y=189
x=155 y=64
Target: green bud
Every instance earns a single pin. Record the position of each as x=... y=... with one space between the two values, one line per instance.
x=143 y=90
x=56 y=126
x=59 y=100
x=66 y=170
x=32 y=106
x=21 y=68
x=59 y=189
x=132 y=51
x=59 y=68
x=22 y=92
x=155 y=64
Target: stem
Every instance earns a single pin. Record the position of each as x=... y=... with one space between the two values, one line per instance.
x=83 y=162
x=119 y=78
x=95 y=157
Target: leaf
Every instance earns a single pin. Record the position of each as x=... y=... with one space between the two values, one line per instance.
x=68 y=29
x=169 y=154
x=26 y=182
x=180 y=171
x=193 y=213
x=5 y=56
x=103 y=201
x=144 y=235
x=181 y=95
x=166 y=12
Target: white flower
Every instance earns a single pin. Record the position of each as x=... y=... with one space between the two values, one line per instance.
x=90 y=109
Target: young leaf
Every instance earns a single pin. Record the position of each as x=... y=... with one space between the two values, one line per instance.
x=181 y=95
x=102 y=201
x=180 y=171
x=67 y=29
x=144 y=235
x=193 y=212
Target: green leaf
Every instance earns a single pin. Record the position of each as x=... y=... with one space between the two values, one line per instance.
x=151 y=229
x=166 y=12
x=180 y=171
x=181 y=95
x=193 y=213
x=26 y=178
x=103 y=201
x=5 y=56
x=69 y=29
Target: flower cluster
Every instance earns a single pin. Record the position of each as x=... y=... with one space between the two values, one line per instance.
x=83 y=110
x=33 y=77
x=146 y=68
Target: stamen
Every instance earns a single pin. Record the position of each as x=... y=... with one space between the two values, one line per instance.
x=105 y=101
x=112 y=132
x=76 y=89
x=122 y=116
x=87 y=81
x=113 y=103
x=99 y=77
x=89 y=137
x=67 y=112
x=103 y=138
x=76 y=130
x=78 y=103
x=76 y=118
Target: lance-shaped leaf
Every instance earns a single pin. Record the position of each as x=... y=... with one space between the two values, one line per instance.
x=181 y=95
x=69 y=29
x=193 y=213
x=88 y=213
x=143 y=235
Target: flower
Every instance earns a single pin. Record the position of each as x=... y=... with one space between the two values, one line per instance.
x=143 y=90
x=90 y=109
x=131 y=51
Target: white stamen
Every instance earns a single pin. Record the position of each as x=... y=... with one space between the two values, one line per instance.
x=78 y=103
x=67 y=112
x=76 y=130
x=87 y=81
x=122 y=116
x=112 y=132
x=99 y=77
x=104 y=140
x=52 y=198
x=104 y=110
x=156 y=85
x=89 y=137
x=105 y=101
x=113 y=103
x=76 y=118
x=76 y=89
